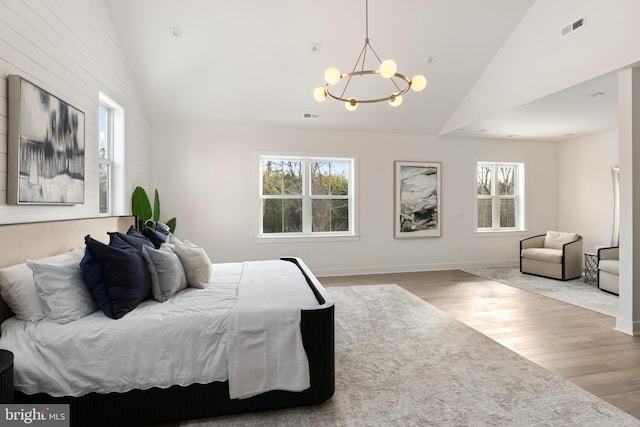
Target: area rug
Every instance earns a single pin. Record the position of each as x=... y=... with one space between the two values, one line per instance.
x=402 y=362
x=574 y=292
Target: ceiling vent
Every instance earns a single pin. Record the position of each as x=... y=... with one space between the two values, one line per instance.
x=312 y=116
x=574 y=26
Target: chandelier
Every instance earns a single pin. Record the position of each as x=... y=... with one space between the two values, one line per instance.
x=399 y=84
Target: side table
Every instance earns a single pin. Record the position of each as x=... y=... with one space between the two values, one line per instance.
x=591 y=268
x=6 y=376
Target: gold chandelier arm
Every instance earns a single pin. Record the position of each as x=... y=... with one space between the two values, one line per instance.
x=395 y=84
x=372 y=100
x=374 y=52
x=379 y=61
x=363 y=52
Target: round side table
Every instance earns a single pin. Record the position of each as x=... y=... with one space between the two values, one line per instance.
x=6 y=376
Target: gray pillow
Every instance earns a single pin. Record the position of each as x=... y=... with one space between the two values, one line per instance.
x=166 y=272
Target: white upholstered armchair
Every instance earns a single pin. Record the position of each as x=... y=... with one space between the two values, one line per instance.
x=556 y=255
x=608 y=269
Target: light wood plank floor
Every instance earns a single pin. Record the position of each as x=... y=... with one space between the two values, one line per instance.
x=575 y=343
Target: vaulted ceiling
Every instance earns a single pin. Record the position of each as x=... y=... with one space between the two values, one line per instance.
x=254 y=62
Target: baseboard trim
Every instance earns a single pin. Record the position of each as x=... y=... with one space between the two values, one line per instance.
x=627 y=327
x=411 y=268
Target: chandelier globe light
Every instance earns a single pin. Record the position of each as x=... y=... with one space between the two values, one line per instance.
x=387 y=69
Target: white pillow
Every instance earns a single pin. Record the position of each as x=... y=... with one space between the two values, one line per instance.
x=196 y=263
x=165 y=270
x=61 y=289
x=18 y=288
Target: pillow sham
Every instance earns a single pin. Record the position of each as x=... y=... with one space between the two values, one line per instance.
x=196 y=263
x=166 y=272
x=173 y=240
x=133 y=238
x=18 y=288
x=156 y=237
x=162 y=228
x=60 y=286
x=116 y=274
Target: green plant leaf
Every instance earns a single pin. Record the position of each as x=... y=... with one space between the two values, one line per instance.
x=172 y=225
x=156 y=206
x=140 y=205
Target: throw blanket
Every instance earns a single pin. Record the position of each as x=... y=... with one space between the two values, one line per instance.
x=265 y=342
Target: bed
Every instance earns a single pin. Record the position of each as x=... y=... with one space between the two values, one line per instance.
x=169 y=402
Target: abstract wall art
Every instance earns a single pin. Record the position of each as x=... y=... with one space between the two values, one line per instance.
x=46 y=147
x=417 y=196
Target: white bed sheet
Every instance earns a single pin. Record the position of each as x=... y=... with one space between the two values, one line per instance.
x=93 y=355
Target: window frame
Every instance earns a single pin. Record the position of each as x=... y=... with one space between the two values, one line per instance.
x=107 y=160
x=518 y=196
x=115 y=157
x=307 y=234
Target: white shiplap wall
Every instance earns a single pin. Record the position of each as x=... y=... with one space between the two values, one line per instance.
x=70 y=49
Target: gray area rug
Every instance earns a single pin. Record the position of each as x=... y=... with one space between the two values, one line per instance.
x=574 y=292
x=402 y=362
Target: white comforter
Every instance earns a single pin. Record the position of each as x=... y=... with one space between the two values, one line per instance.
x=265 y=341
x=179 y=342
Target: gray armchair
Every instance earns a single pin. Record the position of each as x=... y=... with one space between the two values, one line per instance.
x=608 y=269
x=555 y=255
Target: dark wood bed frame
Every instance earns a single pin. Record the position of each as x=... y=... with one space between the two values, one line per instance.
x=156 y=405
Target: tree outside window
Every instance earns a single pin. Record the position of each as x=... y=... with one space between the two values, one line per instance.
x=500 y=190
x=105 y=153
x=110 y=156
x=306 y=196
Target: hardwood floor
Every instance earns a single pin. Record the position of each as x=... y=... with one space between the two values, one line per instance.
x=575 y=343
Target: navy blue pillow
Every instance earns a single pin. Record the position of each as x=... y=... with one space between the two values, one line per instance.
x=133 y=238
x=124 y=282
x=92 y=274
x=159 y=228
x=156 y=237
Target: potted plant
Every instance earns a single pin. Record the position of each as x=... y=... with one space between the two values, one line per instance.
x=141 y=208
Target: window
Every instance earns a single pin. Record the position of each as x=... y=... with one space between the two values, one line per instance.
x=306 y=196
x=500 y=196
x=110 y=157
x=105 y=150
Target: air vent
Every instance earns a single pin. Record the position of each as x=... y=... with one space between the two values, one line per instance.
x=574 y=26
x=312 y=116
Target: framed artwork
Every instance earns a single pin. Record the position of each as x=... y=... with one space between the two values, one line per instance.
x=45 y=147
x=417 y=199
